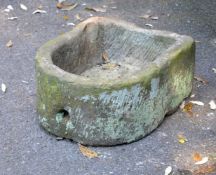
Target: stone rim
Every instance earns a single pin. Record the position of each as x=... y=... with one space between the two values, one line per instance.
x=44 y=54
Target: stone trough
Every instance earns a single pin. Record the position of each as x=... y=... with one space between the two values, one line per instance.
x=109 y=82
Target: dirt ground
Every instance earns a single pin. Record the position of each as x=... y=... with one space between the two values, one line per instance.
x=26 y=149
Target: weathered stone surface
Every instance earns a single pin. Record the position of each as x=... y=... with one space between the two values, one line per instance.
x=118 y=106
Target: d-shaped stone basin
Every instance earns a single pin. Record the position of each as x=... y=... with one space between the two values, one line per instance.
x=109 y=82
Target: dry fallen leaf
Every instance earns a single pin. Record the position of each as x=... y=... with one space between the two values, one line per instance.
x=66 y=18
x=182 y=139
x=23 y=7
x=197 y=103
x=203 y=161
x=9 y=43
x=3 y=87
x=110 y=66
x=27 y=34
x=59 y=5
x=87 y=152
x=213 y=156
x=66 y=6
x=96 y=9
x=146 y=16
x=6 y=10
x=39 y=11
x=188 y=108
x=197 y=41
x=212 y=105
x=168 y=170
x=154 y=17
x=105 y=57
x=113 y=7
x=12 y=18
x=26 y=82
x=70 y=24
x=40 y=7
x=60 y=1
x=59 y=138
x=200 y=79
x=197 y=157
x=182 y=105
x=77 y=16
x=192 y=95
x=10 y=7
x=149 y=25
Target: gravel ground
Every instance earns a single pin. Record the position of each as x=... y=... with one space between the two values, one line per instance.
x=25 y=149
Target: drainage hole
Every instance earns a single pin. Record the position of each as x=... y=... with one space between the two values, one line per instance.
x=63 y=113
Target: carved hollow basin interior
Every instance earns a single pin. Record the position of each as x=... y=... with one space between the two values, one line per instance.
x=109 y=82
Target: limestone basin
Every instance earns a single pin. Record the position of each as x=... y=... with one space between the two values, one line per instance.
x=109 y=82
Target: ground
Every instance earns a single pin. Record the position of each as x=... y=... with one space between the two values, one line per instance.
x=27 y=149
